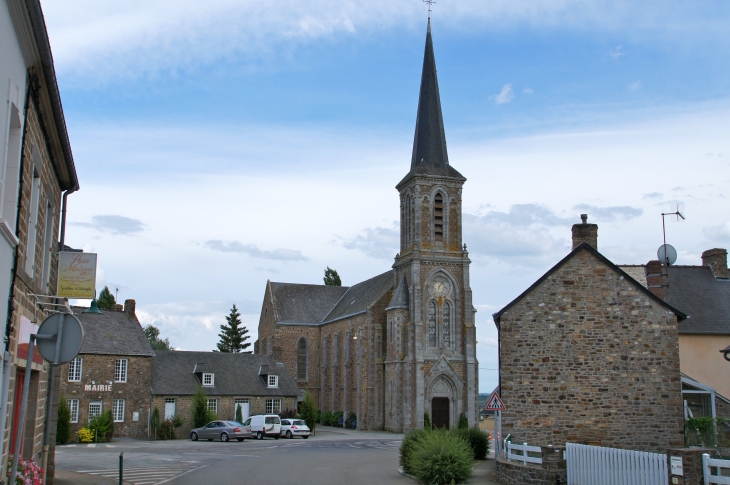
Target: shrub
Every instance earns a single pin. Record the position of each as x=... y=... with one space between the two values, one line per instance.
x=85 y=435
x=327 y=418
x=102 y=426
x=239 y=414
x=427 y=421
x=29 y=472
x=63 y=427
x=337 y=418
x=477 y=439
x=168 y=427
x=352 y=418
x=288 y=413
x=309 y=411
x=155 y=422
x=201 y=415
x=406 y=447
x=463 y=422
x=441 y=458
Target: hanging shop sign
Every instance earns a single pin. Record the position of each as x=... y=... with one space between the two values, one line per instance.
x=76 y=275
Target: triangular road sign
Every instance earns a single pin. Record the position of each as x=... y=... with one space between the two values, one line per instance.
x=494 y=403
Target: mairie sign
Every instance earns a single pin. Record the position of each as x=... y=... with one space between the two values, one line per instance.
x=494 y=403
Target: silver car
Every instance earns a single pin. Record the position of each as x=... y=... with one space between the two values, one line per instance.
x=222 y=430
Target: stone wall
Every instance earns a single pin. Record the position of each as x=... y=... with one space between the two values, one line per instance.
x=590 y=358
x=98 y=370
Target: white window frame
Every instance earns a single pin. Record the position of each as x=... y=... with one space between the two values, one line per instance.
x=94 y=403
x=207 y=375
x=75 y=368
x=273 y=406
x=120 y=370
x=118 y=406
x=273 y=380
x=214 y=402
x=73 y=407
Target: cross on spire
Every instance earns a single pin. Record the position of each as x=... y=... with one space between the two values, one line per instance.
x=429 y=2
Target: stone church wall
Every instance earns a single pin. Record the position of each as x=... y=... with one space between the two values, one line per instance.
x=588 y=357
x=289 y=336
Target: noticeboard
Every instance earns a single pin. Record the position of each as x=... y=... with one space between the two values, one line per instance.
x=76 y=275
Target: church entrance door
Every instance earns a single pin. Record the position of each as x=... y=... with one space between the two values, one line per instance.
x=440 y=410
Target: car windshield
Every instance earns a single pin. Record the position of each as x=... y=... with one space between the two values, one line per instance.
x=273 y=420
x=298 y=422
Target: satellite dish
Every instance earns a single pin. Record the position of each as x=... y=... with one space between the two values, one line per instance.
x=667 y=254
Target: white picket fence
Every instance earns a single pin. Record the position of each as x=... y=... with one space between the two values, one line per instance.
x=596 y=465
x=722 y=468
x=521 y=453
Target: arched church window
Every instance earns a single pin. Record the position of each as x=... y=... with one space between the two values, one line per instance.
x=446 y=324
x=302 y=359
x=409 y=221
x=438 y=217
x=432 y=324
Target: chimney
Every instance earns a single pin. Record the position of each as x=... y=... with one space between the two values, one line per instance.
x=717 y=260
x=585 y=233
x=656 y=278
x=130 y=307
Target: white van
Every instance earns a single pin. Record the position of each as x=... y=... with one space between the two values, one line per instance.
x=264 y=425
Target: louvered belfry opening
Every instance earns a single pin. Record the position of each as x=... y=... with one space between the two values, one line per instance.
x=438 y=217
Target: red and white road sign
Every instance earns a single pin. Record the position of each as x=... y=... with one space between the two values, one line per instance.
x=494 y=403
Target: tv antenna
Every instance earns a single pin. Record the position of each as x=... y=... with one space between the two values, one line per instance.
x=666 y=253
x=429 y=2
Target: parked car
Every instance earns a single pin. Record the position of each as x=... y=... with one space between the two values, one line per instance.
x=263 y=425
x=294 y=427
x=222 y=430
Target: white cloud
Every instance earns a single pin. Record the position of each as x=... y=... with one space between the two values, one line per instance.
x=635 y=85
x=528 y=91
x=617 y=52
x=114 y=224
x=718 y=233
x=505 y=96
x=610 y=214
x=253 y=250
x=378 y=242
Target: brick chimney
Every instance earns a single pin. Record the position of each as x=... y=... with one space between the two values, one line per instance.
x=129 y=307
x=717 y=260
x=656 y=278
x=585 y=233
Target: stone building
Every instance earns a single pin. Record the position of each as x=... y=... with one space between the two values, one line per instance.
x=113 y=371
x=36 y=167
x=401 y=344
x=256 y=383
x=590 y=355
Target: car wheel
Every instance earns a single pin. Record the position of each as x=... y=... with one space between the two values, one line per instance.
x=305 y=436
x=288 y=434
x=194 y=436
x=277 y=437
x=239 y=439
x=259 y=435
x=224 y=437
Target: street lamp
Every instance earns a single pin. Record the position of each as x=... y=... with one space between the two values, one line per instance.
x=726 y=353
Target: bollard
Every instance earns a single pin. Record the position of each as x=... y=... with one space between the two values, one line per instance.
x=121 y=468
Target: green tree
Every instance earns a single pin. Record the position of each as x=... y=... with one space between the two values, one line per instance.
x=201 y=415
x=153 y=335
x=308 y=411
x=233 y=335
x=155 y=422
x=63 y=427
x=331 y=278
x=106 y=299
x=239 y=414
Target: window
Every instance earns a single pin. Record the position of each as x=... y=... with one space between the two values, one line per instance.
x=118 y=410
x=273 y=406
x=241 y=400
x=409 y=220
x=432 y=324
x=73 y=407
x=273 y=381
x=302 y=359
x=47 y=248
x=35 y=192
x=438 y=217
x=213 y=405
x=208 y=379
x=94 y=409
x=120 y=370
x=446 y=324
x=74 y=370
x=10 y=170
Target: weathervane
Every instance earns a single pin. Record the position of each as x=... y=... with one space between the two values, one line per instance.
x=429 y=2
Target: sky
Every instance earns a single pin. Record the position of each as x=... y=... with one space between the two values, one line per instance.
x=222 y=144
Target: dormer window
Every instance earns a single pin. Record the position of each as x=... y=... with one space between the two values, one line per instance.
x=273 y=381
x=208 y=379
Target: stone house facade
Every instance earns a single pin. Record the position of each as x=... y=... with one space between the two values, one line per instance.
x=255 y=382
x=113 y=371
x=402 y=344
x=589 y=355
x=36 y=167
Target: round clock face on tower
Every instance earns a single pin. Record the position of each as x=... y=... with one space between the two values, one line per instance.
x=439 y=288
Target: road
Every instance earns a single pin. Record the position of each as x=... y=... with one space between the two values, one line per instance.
x=331 y=457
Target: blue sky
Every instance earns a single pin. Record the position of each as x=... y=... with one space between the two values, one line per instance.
x=221 y=144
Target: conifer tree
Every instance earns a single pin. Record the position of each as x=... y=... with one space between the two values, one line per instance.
x=233 y=335
x=331 y=278
x=106 y=299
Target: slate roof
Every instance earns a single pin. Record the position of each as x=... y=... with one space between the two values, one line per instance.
x=112 y=333
x=696 y=291
x=359 y=297
x=297 y=303
x=234 y=374
x=400 y=295
x=587 y=247
x=430 y=156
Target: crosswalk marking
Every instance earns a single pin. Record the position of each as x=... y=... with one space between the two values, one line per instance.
x=148 y=475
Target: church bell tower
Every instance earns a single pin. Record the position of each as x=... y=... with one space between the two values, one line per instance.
x=430 y=365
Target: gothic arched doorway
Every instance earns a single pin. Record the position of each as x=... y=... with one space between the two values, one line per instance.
x=441 y=412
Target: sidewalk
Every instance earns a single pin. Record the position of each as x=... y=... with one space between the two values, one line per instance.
x=65 y=477
x=483 y=473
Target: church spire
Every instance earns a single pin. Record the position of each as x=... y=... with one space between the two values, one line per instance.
x=429 y=144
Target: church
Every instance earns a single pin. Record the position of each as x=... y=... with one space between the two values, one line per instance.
x=402 y=344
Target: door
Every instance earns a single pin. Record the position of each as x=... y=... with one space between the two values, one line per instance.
x=19 y=385
x=440 y=411
x=169 y=408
